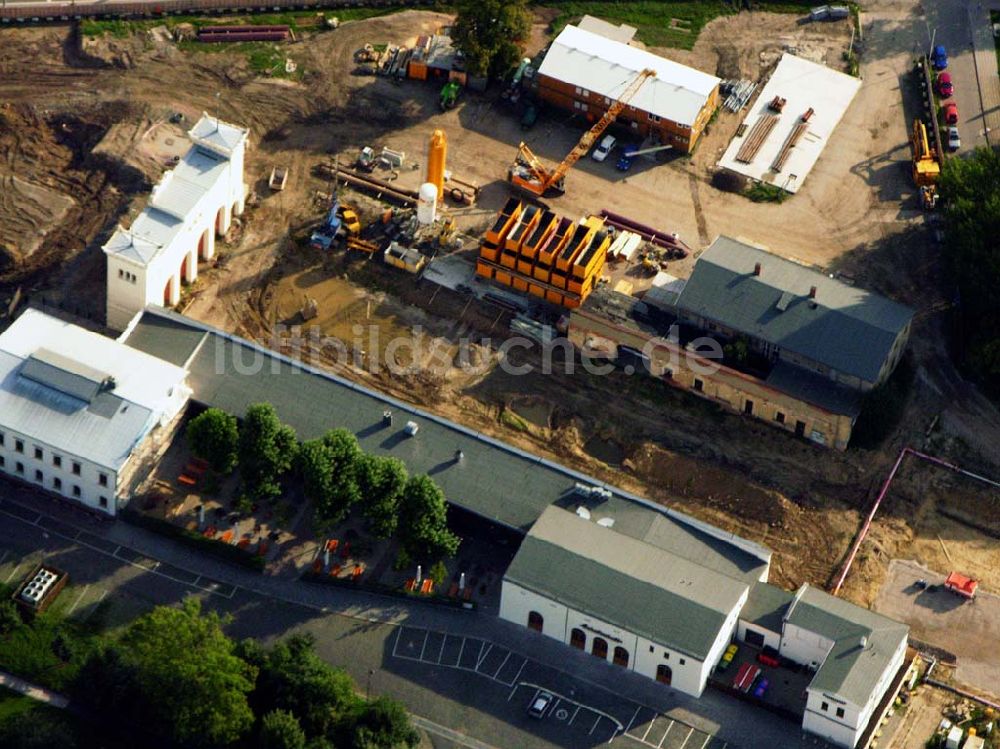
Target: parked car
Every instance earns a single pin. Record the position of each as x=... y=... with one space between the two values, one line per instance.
x=954 y=141
x=625 y=160
x=921 y=584
x=769 y=657
x=604 y=148
x=944 y=85
x=939 y=57
x=541 y=703
x=951 y=113
x=761 y=689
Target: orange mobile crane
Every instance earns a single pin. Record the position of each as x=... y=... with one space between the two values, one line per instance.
x=926 y=168
x=529 y=174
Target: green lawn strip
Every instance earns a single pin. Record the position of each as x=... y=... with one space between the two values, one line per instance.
x=672 y=23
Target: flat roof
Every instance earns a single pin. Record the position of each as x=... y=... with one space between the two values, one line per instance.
x=621 y=33
x=645 y=589
x=493 y=480
x=766 y=606
x=804 y=85
x=55 y=388
x=606 y=67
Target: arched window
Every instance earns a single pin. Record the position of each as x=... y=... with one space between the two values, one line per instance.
x=535 y=621
x=600 y=648
x=663 y=673
x=578 y=639
x=621 y=656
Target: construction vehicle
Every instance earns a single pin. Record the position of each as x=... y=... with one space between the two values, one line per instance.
x=449 y=95
x=529 y=174
x=926 y=168
x=339 y=220
x=366 y=159
x=446 y=233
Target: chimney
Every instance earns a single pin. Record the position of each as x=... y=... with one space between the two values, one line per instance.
x=756 y=269
x=812 y=292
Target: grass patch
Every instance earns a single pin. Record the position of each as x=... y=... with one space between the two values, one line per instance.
x=672 y=23
x=510 y=419
x=300 y=20
x=762 y=192
x=12 y=703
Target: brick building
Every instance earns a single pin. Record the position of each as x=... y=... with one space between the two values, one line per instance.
x=585 y=73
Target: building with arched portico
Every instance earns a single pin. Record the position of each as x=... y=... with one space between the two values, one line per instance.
x=193 y=203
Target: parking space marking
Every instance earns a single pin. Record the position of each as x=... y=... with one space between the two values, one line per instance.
x=665 y=734
x=427 y=633
x=686 y=738
x=5 y=553
x=518 y=675
x=13 y=572
x=79 y=598
x=616 y=726
x=501 y=666
x=212 y=588
x=632 y=720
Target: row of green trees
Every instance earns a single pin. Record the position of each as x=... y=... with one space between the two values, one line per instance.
x=337 y=477
x=176 y=676
x=970 y=191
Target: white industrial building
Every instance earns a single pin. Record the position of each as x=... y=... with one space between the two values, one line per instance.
x=666 y=599
x=194 y=202
x=79 y=411
x=806 y=87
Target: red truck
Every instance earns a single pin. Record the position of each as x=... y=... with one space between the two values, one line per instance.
x=961 y=585
x=746 y=676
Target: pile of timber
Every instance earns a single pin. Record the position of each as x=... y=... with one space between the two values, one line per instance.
x=758 y=134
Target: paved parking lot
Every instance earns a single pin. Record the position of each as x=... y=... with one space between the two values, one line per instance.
x=968 y=629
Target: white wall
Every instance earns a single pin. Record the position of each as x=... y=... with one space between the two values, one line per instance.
x=516 y=603
x=802 y=646
x=127 y=290
x=829 y=726
x=771 y=639
x=88 y=480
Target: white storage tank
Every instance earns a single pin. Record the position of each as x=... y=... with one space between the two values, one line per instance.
x=427 y=200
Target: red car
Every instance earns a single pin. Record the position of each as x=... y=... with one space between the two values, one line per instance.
x=945 y=86
x=951 y=113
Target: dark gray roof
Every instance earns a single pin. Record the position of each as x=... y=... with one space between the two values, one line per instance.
x=766 y=606
x=621 y=580
x=814 y=388
x=864 y=642
x=493 y=480
x=63 y=374
x=845 y=328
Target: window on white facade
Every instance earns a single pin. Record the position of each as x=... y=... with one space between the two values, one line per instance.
x=76 y=490
x=824 y=707
x=840 y=712
x=57 y=461
x=39 y=455
x=102 y=479
x=38 y=476
x=76 y=468
x=19 y=467
x=682 y=661
x=18 y=446
x=1 y=439
x=57 y=484
x=104 y=501
x=2 y=461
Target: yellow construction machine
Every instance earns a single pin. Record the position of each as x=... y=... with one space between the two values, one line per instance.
x=529 y=174
x=926 y=168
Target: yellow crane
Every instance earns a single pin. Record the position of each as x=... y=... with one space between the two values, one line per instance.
x=529 y=174
x=926 y=168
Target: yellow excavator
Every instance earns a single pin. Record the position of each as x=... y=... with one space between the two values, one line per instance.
x=529 y=174
x=926 y=168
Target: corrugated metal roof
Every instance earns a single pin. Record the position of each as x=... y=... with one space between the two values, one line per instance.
x=606 y=67
x=176 y=196
x=217 y=134
x=864 y=643
x=64 y=374
x=626 y=582
x=847 y=329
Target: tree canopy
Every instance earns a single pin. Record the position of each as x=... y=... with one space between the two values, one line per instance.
x=423 y=521
x=213 y=436
x=175 y=673
x=329 y=474
x=267 y=449
x=279 y=729
x=381 y=482
x=491 y=34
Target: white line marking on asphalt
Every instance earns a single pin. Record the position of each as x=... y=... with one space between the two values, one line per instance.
x=644 y=735
x=441 y=651
x=494 y=677
x=79 y=598
x=458 y=663
x=634 y=716
x=594 y=727
x=13 y=572
x=399 y=634
x=705 y=743
x=574 y=716
x=686 y=739
x=510 y=696
x=664 y=737
x=518 y=676
x=115 y=552
x=5 y=553
x=196 y=581
x=483 y=656
x=427 y=633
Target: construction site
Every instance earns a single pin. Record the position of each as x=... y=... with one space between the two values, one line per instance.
x=385 y=192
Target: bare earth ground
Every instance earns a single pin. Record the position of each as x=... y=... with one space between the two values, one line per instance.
x=855 y=213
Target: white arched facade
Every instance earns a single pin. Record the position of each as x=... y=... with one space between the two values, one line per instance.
x=192 y=205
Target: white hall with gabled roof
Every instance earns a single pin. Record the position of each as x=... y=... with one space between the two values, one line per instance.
x=193 y=203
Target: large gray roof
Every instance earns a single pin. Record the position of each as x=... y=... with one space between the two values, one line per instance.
x=493 y=480
x=766 y=606
x=621 y=580
x=864 y=642
x=847 y=329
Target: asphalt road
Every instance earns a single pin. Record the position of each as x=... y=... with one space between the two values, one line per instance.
x=962 y=26
x=466 y=675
